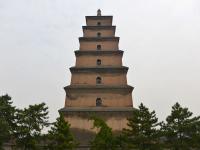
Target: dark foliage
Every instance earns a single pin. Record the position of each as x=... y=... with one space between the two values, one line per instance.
x=142 y=132
x=30 y=122
x=23 y=127
x=7 y=119
x=181 y=129
x=60 y=137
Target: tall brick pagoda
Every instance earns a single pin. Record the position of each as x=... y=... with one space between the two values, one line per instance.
x=98 y=82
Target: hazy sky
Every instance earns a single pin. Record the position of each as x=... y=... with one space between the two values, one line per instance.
x=160 y=39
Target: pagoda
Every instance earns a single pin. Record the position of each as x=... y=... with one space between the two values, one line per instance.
x=98 y=81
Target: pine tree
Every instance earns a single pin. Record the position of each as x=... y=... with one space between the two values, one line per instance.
x=60 y=137
x=7 y=119
x=142 y=132
x=181 y=129
x=4 y=132
x=30 y=122
x=104 y=139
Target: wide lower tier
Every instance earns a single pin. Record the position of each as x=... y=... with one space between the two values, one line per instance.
x=82 y=125
x=98 y=96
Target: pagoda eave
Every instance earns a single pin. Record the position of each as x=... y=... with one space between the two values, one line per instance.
x=92 y=39
x=98 y=17
x=97 y=109
x=99 y=88
x=99 y=69
x=100 y=52
x=99 y=27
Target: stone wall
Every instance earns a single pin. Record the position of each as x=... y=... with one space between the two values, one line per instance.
x=106 y=78
x=109 y=98
x=105 y=45
x=82 y=126
x=106 y=60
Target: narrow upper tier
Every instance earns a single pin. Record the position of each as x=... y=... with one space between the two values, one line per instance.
x=99 y=20
x=93 y=78
x=98 y=58
x=99 y=43
x=99 y=31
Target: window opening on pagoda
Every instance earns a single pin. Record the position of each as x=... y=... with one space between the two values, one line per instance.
x=98 y=80
x=98 y=23
x=98 y=34
x=98 y=62
x=98 y=47
x=98 y=102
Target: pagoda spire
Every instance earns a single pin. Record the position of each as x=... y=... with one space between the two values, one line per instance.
x=98 y=12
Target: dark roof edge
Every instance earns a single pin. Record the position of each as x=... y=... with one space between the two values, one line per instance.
x=99 y=39
x=75 y=87
x=98 y=17
x=97 y=109
x=99 y=69
x=98 y=52
x=98 y=27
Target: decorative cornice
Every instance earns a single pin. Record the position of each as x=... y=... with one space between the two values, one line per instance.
x=91 y=39
x=100 y=87
x=98 y=17
x=98 y=27
x=98 y=52
x=99 y=69
x=97 y=109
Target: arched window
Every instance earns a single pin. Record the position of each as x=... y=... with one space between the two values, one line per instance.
x=98 y=102
x=98 y=23
x=98 y=80
x=98 y=47
x=98 y=62
x=98 y=34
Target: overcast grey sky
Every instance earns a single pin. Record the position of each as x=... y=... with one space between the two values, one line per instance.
x=161 y=40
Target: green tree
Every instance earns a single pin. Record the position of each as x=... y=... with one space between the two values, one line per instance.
x=60 y=137
x=196 y=134
x=4 y=132
x=142 y=132
x=7 y=119
x=104 y=139
x=181 y=129
x=30 y=122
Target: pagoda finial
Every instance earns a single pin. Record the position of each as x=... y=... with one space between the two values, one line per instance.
x=98 y=12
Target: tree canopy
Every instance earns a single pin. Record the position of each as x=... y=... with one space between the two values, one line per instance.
x=60 y=137
x=181 y=129
x=7 y=119
x=23 y=128
x=143 y=130
x=30 y=122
